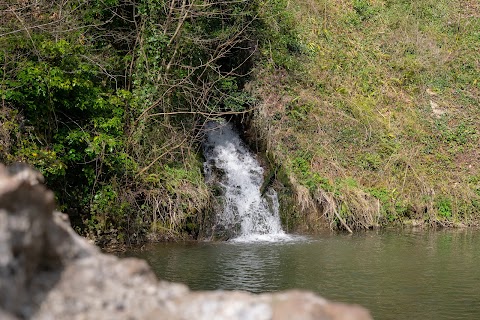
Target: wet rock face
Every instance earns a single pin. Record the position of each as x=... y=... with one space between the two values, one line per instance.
x=49 y=272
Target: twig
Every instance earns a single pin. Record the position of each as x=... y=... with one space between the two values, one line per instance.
x=342 y=221
x=160 y=156
x=205 y=114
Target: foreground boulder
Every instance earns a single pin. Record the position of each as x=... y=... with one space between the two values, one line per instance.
x=49 y=272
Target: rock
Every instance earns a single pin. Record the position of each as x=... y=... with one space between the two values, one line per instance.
x=49 y=272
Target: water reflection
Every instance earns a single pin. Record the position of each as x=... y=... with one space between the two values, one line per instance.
x=419 y=275
x=248 y=267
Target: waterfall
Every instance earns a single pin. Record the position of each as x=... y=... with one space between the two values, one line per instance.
x=245 y=214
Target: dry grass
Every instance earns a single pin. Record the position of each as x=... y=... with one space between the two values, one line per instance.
x=358 y=108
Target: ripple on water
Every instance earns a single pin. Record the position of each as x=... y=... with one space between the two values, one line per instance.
x=267 y=238
x=396 y=275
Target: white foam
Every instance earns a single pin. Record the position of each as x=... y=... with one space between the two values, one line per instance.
x=240 y=180
x=268 y=238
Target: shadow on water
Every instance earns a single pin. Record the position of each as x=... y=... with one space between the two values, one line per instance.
x=397 y=275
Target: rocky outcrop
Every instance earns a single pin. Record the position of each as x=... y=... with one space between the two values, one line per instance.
x=49 y=272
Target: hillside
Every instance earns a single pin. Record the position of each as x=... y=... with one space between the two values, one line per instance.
x=375 y=118
x=367 y=111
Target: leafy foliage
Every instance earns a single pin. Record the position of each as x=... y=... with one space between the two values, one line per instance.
x=106 y=99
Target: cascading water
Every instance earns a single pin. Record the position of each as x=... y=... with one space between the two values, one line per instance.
x=245 y=213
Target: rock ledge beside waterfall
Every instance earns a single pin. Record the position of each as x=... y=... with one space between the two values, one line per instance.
x=49 y=272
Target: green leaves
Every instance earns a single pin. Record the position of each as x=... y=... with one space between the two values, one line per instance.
x=45 y=160
x=310 y=179
x=444 y=207
x=364 y=9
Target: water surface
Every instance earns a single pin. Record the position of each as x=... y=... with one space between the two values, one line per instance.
x=397 y=275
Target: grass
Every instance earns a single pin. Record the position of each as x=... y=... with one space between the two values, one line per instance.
x=386 y=93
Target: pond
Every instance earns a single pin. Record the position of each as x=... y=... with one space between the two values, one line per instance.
x=396 y=275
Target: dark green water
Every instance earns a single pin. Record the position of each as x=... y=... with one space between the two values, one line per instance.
x=397 y=275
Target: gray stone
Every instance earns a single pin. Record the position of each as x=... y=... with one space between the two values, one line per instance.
x=49 y=272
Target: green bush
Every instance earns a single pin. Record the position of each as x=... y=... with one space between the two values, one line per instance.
x=443 y=205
